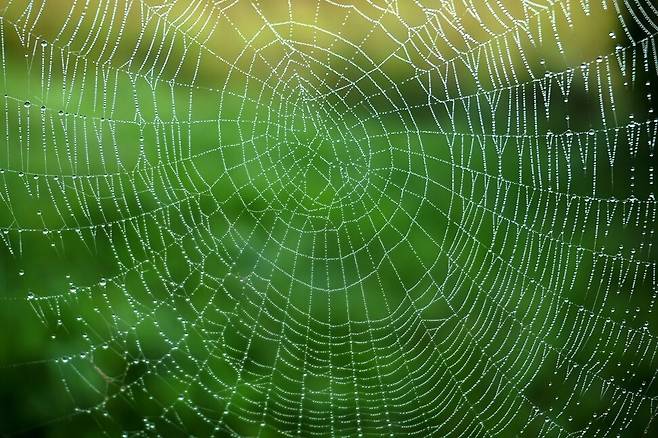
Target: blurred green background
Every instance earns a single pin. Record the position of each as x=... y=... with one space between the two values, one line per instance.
x=328 y=218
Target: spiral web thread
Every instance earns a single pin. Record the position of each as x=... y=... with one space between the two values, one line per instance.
x=335 y=217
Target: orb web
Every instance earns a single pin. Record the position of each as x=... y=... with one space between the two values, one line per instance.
x=329 y=217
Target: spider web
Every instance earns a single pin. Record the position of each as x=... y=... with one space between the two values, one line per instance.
x=330 y=217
